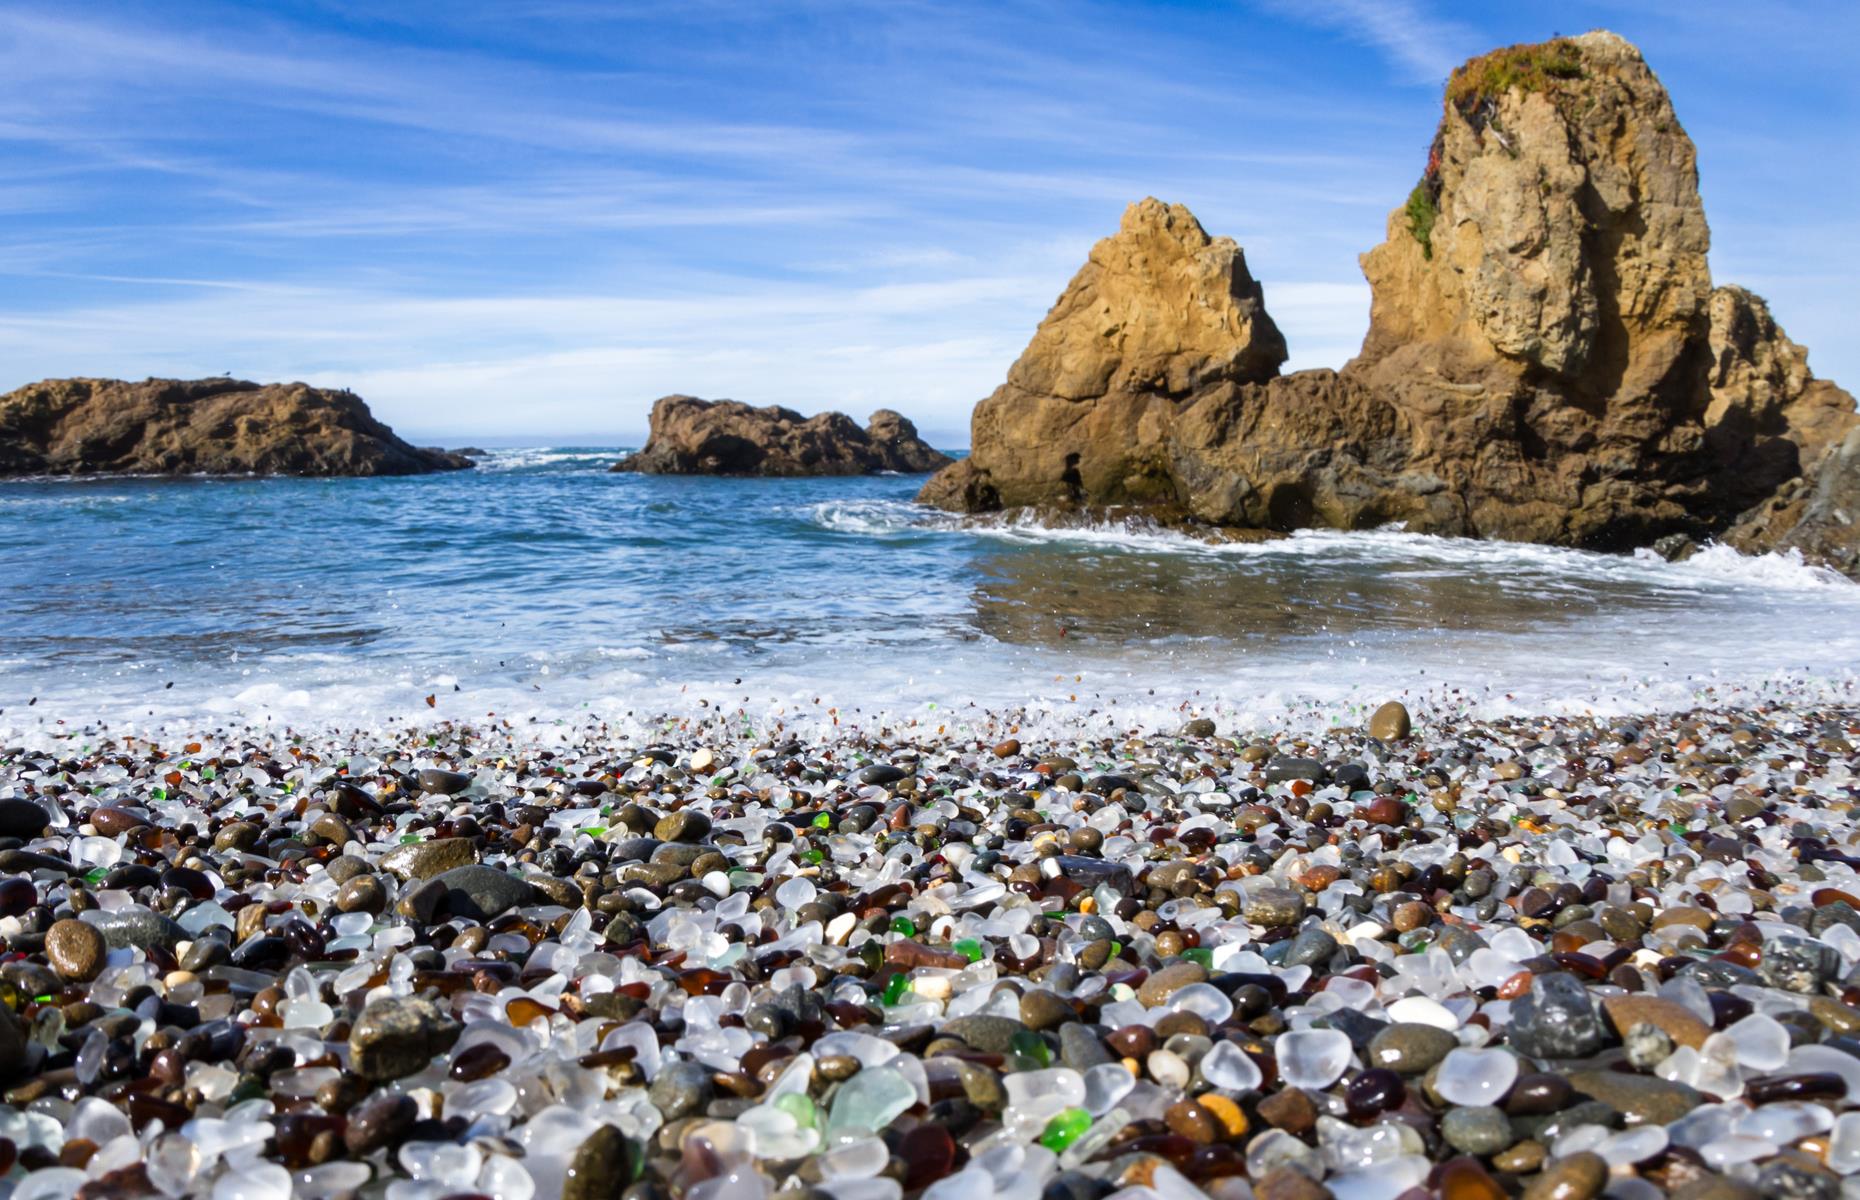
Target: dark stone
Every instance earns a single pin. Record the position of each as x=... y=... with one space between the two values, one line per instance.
x=1555 y=1019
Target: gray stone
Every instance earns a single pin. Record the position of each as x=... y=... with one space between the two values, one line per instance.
x=436 y=782
x=1274 y=907
x=1311 y=948
x=1286 y=768
x=423 y=860
x=1641 y=1099
x=683 y=825
x=681 y=1089
x=1410 y=1048
x=1080 y=1048
x=1479 y=1129
x=136 y=926
x=398 y=1036
x=603 y=1167
x=989 y=1034
x=1555 y=1019
x=479 y=892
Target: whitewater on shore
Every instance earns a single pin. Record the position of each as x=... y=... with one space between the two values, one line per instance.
x=541 y=588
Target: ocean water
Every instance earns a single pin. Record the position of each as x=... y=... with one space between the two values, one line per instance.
x=542 y=588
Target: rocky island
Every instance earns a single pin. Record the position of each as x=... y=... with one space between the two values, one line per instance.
x=690 y=436
x=1547 y=358
x=200 y=427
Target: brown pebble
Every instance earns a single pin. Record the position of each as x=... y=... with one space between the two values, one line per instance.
x=1289 y=1109
x=75 y=950
x=1579 y=1176
x=1191 y=1121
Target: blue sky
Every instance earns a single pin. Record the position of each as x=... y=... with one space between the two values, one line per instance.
x=526 y=220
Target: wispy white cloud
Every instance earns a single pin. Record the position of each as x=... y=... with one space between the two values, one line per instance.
x=1419 y=46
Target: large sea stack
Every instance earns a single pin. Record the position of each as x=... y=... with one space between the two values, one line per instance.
x=690 y=436
x=206 y=426
x=1547 y=359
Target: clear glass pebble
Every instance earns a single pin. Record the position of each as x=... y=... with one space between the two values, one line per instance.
x=1312 y=1058
x=1473 y=1077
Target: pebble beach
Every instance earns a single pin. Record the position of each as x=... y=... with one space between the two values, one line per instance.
x=1556 y=958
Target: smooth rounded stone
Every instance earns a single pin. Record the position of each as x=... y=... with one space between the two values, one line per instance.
x=989 y=1034
x=879 y=775
x=1796 y=1177
x=1555 y=1019
x=1410 y=1047
x=1642 y=1099
x=420 y=903
x=1580 y=1176
x=344 y=867
x=1834 y=1016
x=1312 y=1058
x=379 y=1121
x=363 y=894
x=1167 y=1068
x=398 y=1036
x=114 y=822
x=682 y=825
x=136 y=927
x=1286 y=768
x=1312 y=947
x=1199 y=727
x=21 y=818
x=1192 y=1121
x=1391 y=722
x=1712 y=1186
x=424 y=860
x=1041 y=1009
x=1469 y=1076
x=603 y=1167
x=479 y=893
x=1797 y=964
x=30 y=978
x=435 y=781
x=1670 y=1017
x=333 y=829
x=1165 y=983
x=1273 y=907
x=75 y=950
x=681 y=1088
x=1477 y=1129
x=1647 y=1046
x=1423 y=1010
x=1081 y=1049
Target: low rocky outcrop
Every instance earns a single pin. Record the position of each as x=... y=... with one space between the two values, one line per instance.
x=690 y=436
x=207 y=426
x=1547 y=359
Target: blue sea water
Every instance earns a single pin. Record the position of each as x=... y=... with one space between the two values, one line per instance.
x=540 y=586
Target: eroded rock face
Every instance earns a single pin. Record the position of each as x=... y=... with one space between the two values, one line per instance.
x=209 y=426
x=1546 y=359
x=1159 y=312
x=690 y=436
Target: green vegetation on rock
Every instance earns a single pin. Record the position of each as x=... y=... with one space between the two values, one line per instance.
x=1532 y=67
x=1422 y=210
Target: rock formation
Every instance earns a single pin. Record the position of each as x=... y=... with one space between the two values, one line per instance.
x=1546 y=360
x=723 y=437
x=207 y=426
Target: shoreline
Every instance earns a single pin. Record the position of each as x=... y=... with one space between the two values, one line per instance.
x=703 y=959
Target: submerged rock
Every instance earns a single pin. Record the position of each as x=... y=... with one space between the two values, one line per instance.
x=690 y=436
x=203 y=426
